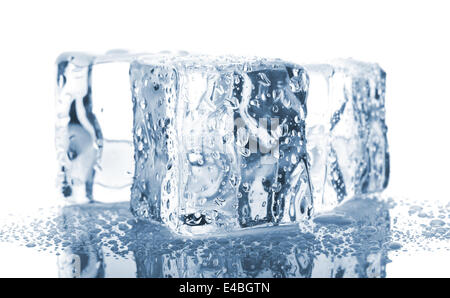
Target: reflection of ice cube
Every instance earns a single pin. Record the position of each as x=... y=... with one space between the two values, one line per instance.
x=86 y=239
x=84 y=256
x=353 y=248
x=94 y=126
x=85 y=262
x=219 y=142
x=346 y=131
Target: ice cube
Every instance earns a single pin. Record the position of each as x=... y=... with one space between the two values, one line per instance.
x=219 y=142
x=94 y=126
x=346 y=131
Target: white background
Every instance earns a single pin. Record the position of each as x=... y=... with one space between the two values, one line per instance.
x=409 y=39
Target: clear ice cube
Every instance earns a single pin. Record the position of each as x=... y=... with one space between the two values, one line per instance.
x=94 y=126
x=219 y=142
x=346 y=131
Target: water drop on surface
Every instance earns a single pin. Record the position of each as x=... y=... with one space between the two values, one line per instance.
x=437 y=223
x=394 y=246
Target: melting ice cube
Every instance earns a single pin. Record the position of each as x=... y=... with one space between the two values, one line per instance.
x=94 y=126
x=346 y=131
x=219 y=142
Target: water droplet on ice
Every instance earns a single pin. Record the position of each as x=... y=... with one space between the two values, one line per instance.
x=196 y=159
x=244 y=152
x=143 y=104
x=234 y=180
x=278 y=94
x=294 y=159
x=242 y=136
x=245 y=187
x=286 y=101
x=139 y=131
x=254 y=102
x=276 y=187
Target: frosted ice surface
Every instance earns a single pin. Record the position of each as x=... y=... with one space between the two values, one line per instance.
x=219 y=142
x=94 y=126
x=346 y=131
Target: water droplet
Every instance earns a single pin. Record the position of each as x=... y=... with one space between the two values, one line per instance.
x=294 y=159
x=277 y=94
x=242 y=136
x=437 y=223
x=139 y=131
x=168 y=187
x=234 y=180
x=254 y=102
x=161 y=123
x=246 y=187
x=216 y=155
x=395 y=246
x=286 y=101
x=196 y=159
x=202 y=201
x=276 y=187
x=142 y=104
x=244 y=152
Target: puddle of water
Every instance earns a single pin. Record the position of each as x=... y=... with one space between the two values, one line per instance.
x=361 y=238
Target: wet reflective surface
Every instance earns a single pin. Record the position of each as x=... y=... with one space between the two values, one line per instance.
x=361 y=238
